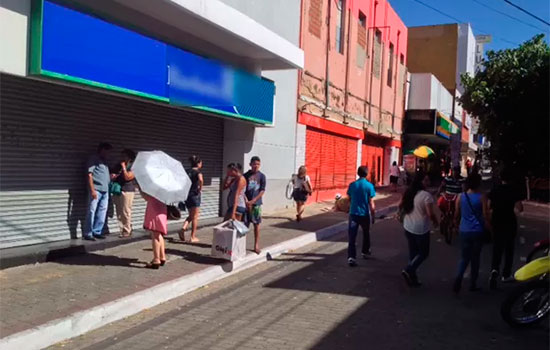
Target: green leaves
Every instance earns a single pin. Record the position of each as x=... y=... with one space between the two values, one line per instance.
x=510 y=96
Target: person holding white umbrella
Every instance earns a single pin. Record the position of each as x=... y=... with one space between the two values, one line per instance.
x=162 y=181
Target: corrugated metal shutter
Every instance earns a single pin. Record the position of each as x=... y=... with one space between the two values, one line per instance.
x=373 y=158
x=331 y=159
x=49 y=130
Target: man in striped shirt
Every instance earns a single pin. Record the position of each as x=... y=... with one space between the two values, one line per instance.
x=450 y=188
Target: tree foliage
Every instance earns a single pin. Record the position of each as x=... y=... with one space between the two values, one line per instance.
x=510 y=96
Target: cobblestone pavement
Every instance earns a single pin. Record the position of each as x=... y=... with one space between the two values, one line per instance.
x=35 y=294
x=310 y=299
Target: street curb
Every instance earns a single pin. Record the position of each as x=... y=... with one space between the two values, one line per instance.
x=81 y=322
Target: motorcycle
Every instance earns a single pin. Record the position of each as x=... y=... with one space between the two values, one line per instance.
x=540 y=249
x=529 y=303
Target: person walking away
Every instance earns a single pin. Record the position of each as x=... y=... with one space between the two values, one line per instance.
x=98 y=179
x=236 y=200
x=361 y=193
x=155 y=221
x=417 y=209
x=302 y=189
x=394 y=176
x=504 y=200
x=193 y=202
x=473 y=212
x=124 y=200
x=255 y=189
x=449 y=190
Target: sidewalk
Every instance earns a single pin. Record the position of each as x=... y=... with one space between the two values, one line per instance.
x=35 y=297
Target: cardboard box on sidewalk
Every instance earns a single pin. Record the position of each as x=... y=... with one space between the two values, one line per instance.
x=229 y=240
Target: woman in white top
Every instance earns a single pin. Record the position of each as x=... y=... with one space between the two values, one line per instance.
x=394 y=176
x=417 y=209
x=302 y=189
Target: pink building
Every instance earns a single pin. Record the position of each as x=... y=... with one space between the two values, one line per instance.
x=351 y=92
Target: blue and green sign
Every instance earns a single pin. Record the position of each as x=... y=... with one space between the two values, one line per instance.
x=69 y=45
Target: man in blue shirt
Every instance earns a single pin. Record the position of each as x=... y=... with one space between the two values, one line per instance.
x=98 y=193
x=361 y=213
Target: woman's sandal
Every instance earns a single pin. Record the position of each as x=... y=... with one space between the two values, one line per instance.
x=162 y=262
x=181 y=234
x=152 y=265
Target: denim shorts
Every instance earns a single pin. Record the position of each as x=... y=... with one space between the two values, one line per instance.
x=193 y=201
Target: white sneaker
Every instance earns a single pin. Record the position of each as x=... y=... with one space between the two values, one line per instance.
x=508 y=279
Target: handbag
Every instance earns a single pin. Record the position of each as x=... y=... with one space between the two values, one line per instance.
x=487 y=237
x=115 y=188
x=172 y=212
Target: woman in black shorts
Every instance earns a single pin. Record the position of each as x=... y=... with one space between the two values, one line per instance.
x=302 y=189
x=193 y=202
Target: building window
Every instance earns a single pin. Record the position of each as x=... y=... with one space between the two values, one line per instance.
x=390 y=67
x=377 y=54
x=315 y=17
x=340 y=25
x=362 y=30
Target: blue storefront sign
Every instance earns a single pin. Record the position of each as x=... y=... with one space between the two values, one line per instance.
x=69 y=45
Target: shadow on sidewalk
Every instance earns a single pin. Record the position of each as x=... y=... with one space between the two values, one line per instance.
x=92 y=259
x=195 y=257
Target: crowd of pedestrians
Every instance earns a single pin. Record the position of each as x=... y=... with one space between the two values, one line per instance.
x=481 y=218
x=244 y=200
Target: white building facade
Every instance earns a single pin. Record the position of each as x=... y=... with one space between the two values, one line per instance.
x=178 y=79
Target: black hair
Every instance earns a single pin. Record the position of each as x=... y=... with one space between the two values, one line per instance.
x=129 y=153
x=255 y=159
x=407 y=202
x=394 y=163
x=363 y=171
x=473 y=181
x=104 y=146
x=195 y=160
x=235 y=166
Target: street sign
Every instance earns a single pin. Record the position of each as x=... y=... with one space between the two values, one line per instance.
x=483 y=38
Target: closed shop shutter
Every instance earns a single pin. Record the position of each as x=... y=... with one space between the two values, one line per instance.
x=49 y=130
x=373 y=158
x=331 y=160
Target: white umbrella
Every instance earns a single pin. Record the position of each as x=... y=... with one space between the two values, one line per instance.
x=161 y=177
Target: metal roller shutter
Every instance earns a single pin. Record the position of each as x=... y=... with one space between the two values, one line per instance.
x=49 y=130
x=331 y=161
x=373 y=158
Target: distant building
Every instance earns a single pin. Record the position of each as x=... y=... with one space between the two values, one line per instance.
x=481 y=40
x=447 y=51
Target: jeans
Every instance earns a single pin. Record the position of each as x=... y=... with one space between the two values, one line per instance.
x=470 y=251
x=353 y=228
x=419 y=249
x=97 y=211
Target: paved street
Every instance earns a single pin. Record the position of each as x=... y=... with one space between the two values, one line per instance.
x=310 y=299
